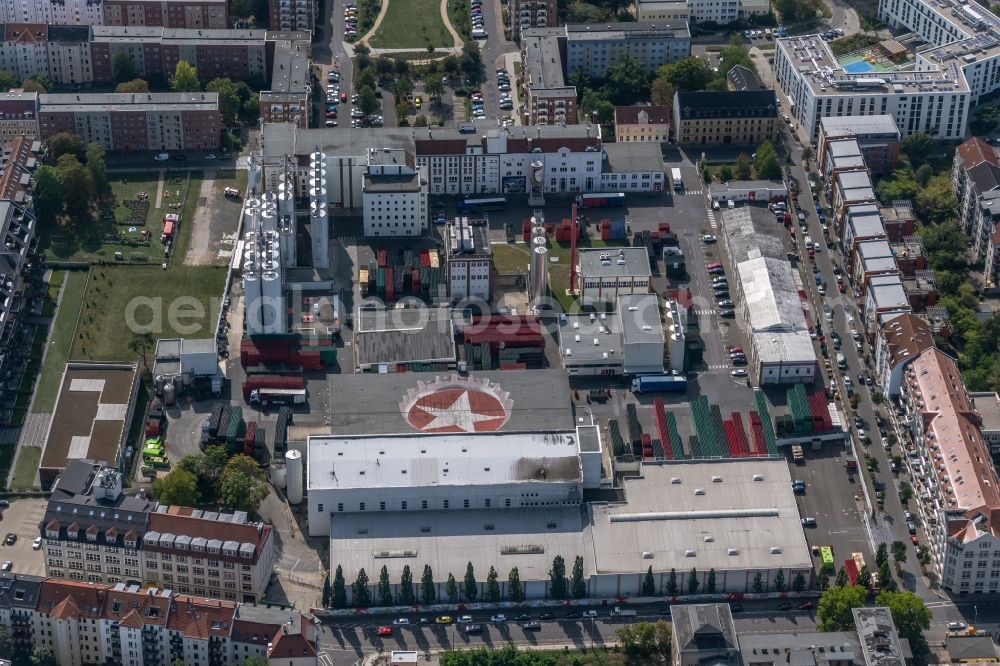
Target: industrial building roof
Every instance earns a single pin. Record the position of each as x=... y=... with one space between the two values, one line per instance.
x=879 y=638
x=748 y=233
x=89 y=420
x=770 y=295
x=584 y=338
x=859 y=126
x=784 y=346
x=404 y=335
x=808 y=648
x=407 y=182
x=865 y=221
x=381 y=403
x=443 y=458
x=615 y=262
x=887 y=291
x=640 y=319
x=736 y=514
x=632 y=30
x=633 y=157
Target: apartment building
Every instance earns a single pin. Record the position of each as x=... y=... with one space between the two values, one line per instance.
x=61 y=12
x=88 y=623
x=394 y=194
x=987 y=405
x=18 y=116
x=288 y=100
x=128 y=122
x=650 y=11
x=725 y=117
x=526 y=14
x=952 y=473
x=898 y=340
x=642 y=123
x=17 y=232
x=591 y=49
x=298 y=15
x=877 y=139
x=547 y=97
x=932 y=98
x=975 y=177
x=94 y=532
x=195 y=14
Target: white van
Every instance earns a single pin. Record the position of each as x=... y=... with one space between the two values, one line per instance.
x=479 y=33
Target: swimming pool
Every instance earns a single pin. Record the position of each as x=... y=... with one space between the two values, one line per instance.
x=858 y=67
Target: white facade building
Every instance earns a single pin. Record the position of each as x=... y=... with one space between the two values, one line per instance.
x=394 y=195
x=593 y=48
x=602 y=276
x=469 y=260
x=441 y=471
x=60 y=12
x=642 y=334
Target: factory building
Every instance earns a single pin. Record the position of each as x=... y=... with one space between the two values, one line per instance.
x=628 y=341
x=602 y=276
x=394 y=195
x=469 y=261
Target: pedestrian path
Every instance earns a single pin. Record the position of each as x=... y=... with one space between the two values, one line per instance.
x=711 y=219
x=718 y=366
x=705 y=312
x=615 y=405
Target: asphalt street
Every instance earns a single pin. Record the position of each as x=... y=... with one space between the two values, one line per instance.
x=492 y=49
x=331 y=52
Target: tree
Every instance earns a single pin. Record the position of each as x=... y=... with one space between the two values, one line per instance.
x=361 y=49
x=77 y=187
x=65 y=143
x=367 y=101
x=97 y=167
x=842 y=578
x=6 y=644
x=327 y=592
x=255 y=661
x=384 y=588
x=902 y=185
x=807 y=153
x=834 y=609
x=470 y=588
x=744 y=167
x=662 y=93
x=434 y=87
x=725 y=173
x=648 y=584
x=923 y=174
x=594 y=104
x=178 y=487
x=693 y=583
x=911 y=617
x=579 y=587
x=338 y=592
x=779 y=580
x=917 y=146
x=241 y=484
x=672 y=583
x=864 y=576
x=664 y=639
x=406 y=594
x=557 y=578
x=515 y=591
x=48 y=195
x=688 y=73
x=767 y=164
x=451 y=589
x=133 y=86
x=38 y=83
x=428 y=592
x=799 y=582
x=899 y=551
x=229 y=98
x=361 y=595
x=7 y=81
x=758 y=582
x=882 y=553
x=936 y=202
x=492 y=593
x=185 y=78
x=123 y=68
x=625 y=81
x=42 y=656
x=383 y=66
x=885 y=576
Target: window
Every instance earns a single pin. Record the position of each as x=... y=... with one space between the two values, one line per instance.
x=340 y=506
x=319 y=507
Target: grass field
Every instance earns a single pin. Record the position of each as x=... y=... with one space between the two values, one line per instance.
x=510 y=259
x=25 y=468
x=118 y=221
x=180 y=302
x=411 y=24
x=63 y=326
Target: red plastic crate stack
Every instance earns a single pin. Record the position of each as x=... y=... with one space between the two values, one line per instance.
x=605 y=227
x=272 y=381
x=549 y=229
x=382 y=256
x=647 y=446
x=509 y=331
x=821 y=413
x=415 y=280
x=664 y=227
x=742 y=443
x=526 y=231
x=513 y=366
x=757 y=434
x=257 y=352
x=731 y=438
x=660 y=418
x=309 y=359
x=248 y=438
x=564 y=231
x=425 y=258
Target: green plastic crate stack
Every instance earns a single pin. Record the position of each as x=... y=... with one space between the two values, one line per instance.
x=703 y=426
x=634 y=429
x=784 y=425
x=694 y=445
x=617 y=442
x=235 y=431
x=486 y=356
x=380 y=282
x=472 y=358
x=260 y=446
x=765 y=422
x=675 y=439
x=721 y=441
x=798 y=407
x=281 y=433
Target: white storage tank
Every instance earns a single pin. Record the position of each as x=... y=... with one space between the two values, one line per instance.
x=293 y=465
x=252 y=293
x=269 y=218
x=279 y=476
x=286 y=198
x=286 y=241
x=320 y=227
x=272 y=305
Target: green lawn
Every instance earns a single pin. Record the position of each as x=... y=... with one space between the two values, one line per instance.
x=412 y=24
x=25 y=469
x=127 y=223
x=182 y=301
x=64 y=325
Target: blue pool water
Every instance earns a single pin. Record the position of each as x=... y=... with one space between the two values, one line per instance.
x=858 y=67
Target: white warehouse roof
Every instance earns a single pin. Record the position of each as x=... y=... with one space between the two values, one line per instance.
x=417 y=460
x=770 y=295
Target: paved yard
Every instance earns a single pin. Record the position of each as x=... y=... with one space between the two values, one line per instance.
x=22 y=518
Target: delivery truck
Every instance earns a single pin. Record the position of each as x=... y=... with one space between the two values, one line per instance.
x=278 y=396
x=617 y=611
x=661 y=383
x=601 y=199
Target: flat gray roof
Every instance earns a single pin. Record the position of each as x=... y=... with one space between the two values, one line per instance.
x=578 y=334
x=988 y=405
x=416 y=335
x=866 y=224
x=874 y=248
x=640 y=319
x=66 y=102
x=615 y=262
x=542 y=59
x=377 y=403
x=849 y=180
x=806 y=648
x=633 y=157
x=633 y=30
x=748 y=233
x=771 y=295
x=394 y=183
x=844 y=147
x=849 y=162
x=858 y=125
x=887 y=291
x=290 y=72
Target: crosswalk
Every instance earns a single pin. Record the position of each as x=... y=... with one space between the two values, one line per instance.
x=705 y=312
x=718 y=366
x=693 y=192
x=615 y=404
x=711 y=219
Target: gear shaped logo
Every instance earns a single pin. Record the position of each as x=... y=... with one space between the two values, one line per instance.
x=456 y=404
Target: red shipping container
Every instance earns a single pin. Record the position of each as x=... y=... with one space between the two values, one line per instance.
x=526 y=226
x=382 y=258
x=605 y=234
x=527 y=237
x=415 y=281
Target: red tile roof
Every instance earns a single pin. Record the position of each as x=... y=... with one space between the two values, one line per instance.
x=976 y=151
x=629 y=115
x=199 y=618
x=289 y=646
x=66 y=599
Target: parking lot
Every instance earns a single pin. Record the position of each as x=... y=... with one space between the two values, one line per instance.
x=22 y=518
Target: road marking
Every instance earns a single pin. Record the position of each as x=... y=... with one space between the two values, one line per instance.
x=711 y=218
x=718 y=366
x=615 y=406
x=701 y=312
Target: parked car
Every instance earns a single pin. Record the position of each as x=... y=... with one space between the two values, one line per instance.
x=37 y=543
x=499 y=617
x=401 y=621
x=473 y=629
x=383 y=631
x=442 y=619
